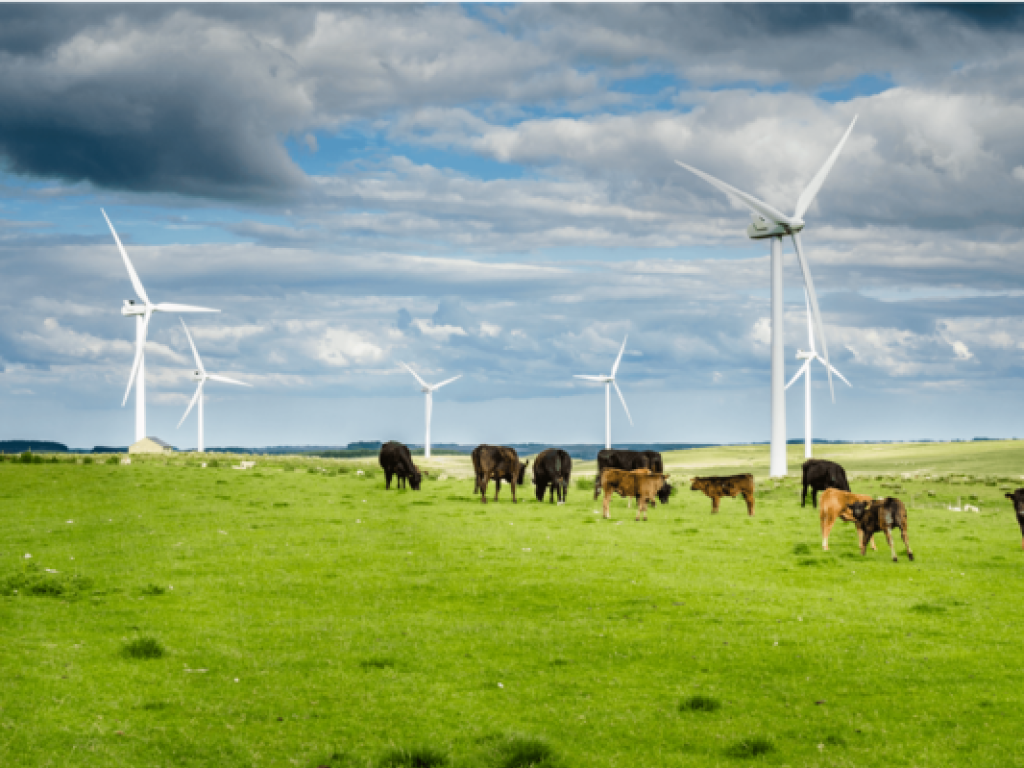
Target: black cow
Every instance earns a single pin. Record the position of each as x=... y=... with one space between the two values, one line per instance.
x=552 y=468
x=820 y=475
x=497 y=462
x=395 y=459
x=627 y=461
x=1017 y=497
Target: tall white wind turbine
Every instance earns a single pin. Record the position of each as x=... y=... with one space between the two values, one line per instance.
x=201 y=377
x=771 y=223
x=805 y=370
x=609 y=382
x=142 y=313
x=428 y=390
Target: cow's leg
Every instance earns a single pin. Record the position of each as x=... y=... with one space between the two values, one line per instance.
x=497 y=487
x=892 y=544
x=749 y=498
x=906 y=543
x=826 y=529
x=607 y=497
x=714 y=504
x=482 y=485
x=814 y=496
x=803 y=497
x=387 y=480
x=513 y=484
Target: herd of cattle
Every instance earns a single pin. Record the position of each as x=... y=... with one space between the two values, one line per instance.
x=640 y=475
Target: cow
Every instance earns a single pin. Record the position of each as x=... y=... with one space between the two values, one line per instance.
x=614 y=458
x=552 y=469
x=820 y=475
x=1017 y=497
x=835 y=505
x=733 y=485
x=396 y=460
x=640 y=484
x=881 y=515
x=497 y=462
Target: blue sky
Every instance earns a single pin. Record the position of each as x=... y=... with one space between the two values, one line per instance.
x=490 y=190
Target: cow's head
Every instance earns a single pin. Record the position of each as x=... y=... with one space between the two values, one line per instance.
x=665 y=491
x=858 y=508
x=1017 y=497
x=415 y=477
x=522 y=472
x=698 y=484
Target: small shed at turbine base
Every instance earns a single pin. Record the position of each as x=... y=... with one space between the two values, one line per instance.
x=150 y=445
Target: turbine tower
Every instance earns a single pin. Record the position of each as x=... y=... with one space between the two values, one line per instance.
x=201 y=376
x=770 y=223
x=142 y=314
x=805 y=371
x=609 y=382
x=429 y=390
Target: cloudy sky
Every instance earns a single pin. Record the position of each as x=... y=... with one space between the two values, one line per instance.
x=490 y=190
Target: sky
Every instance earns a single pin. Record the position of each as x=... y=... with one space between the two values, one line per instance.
x=490 y=190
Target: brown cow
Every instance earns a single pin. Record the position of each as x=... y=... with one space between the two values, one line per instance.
x=835 y=505
x=881 y=515
x=734 y=485
x=640 y=484
x=497 y=462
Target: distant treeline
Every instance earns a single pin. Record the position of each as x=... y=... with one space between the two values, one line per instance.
x=36 y=446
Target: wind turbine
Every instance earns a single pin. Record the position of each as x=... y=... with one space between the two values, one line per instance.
x=609 y=382
x=805 y=370
x=201 y=376
x=771 y=223
x=142 y=314
x=429 y=390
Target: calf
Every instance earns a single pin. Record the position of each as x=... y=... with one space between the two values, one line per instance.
x=396 y=460
x=620 y=458
x=734 y=485
x=820 y=475
x=552 y=469
x=497 y=462
x=835 y=505
x=1017 y=497
x=640 y=484
x=881 y=515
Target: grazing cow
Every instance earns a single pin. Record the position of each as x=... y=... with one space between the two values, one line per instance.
x=552 y=468
x=881 y=515
x=734 y=485
x=396 y=460
x=820 y=475
x=497 y=462
x=640 y=484
x=1017 y=497
x=835 y=505
x=615 y=458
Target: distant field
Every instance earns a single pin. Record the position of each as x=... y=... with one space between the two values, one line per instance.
x=299 y=615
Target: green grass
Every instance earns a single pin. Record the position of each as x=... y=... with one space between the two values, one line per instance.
x=309 y=619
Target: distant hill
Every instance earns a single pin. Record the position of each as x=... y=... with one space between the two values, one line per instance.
x=36 y=446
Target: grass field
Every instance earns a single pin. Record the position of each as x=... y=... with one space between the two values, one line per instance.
x=299 y=615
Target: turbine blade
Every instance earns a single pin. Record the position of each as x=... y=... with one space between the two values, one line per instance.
x=809 y=284
x=181 y=308
x=810 y=327
x=589 y=378
x=140 y=345
x=136 y=283
x=836 y=372
x=449 y=381
x=199 y=362
x=421 y=381
x=808 y=195
x=624 y=406
x=226 y=380
x=195 y=399
x=798 y=374
x=757 y=206
x=619 y=358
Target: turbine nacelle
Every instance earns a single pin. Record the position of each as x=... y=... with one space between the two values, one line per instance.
x=761 y=228
x=198 y=375
x=801 y=355
x=131 y=308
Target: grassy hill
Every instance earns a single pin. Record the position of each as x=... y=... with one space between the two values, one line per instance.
x=299 y=615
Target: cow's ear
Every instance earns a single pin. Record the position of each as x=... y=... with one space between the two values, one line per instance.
x=1009 y=496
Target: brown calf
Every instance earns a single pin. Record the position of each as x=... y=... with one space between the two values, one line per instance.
x=734 y=485
x=639 y=484
x=881 y=515
x=835 y=505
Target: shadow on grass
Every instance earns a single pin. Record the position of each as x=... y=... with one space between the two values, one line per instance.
x=143 y=648
x=700 y=704
x=751 y=746
x=416 y=757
